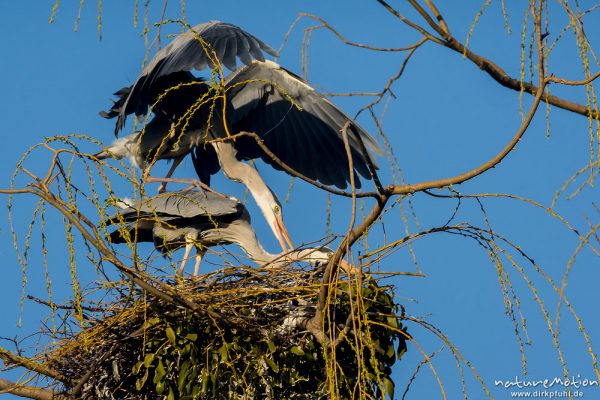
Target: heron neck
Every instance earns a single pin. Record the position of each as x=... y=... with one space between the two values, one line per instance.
x=259 y=255
x=251 y=246
x=263 y=196
x=249 y=176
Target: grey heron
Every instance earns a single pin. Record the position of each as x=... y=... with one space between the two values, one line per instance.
x=299 y=125
x=194 y=218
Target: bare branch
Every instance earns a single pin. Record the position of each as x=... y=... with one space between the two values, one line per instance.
x=408 y=22
x=12 y=359
x=325 y=24
x=427 y=17
x=438 y=15
x=412 y=188
x=500 y=76
x=388 y=85
x=25 y=391
x=492 y=69
x=562 y=81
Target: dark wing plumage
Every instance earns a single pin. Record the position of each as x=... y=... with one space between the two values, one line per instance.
x=117 y=107
x=185 y=53
x=299 y=125
x=206 y=162
x=137 y=98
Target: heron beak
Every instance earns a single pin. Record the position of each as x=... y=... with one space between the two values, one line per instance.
x=101 y=155
x=282 y=234
x=349 y=268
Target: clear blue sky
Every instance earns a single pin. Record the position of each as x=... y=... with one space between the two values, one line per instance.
x=448 y=117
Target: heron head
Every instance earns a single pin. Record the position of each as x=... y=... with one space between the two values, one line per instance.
x=279 y=227
x=271 y=208
x=322 y=255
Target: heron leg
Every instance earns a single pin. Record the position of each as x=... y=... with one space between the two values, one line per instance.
x=189 y=244
x=176 y=162
x=200 y=252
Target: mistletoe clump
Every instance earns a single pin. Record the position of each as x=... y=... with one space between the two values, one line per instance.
x=247 y=339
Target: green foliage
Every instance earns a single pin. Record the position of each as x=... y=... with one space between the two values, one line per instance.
x=187 y=356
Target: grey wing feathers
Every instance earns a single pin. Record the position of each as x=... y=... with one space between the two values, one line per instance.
x=182 y=205
x=297 y=123
x=192 y=204
x=227 y=40
x=185 y=53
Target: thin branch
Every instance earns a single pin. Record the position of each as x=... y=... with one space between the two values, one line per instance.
x=492 y=69
x=61 y=306
x=440 y=183
x=562 y=81
x=500 y=76
x=314 y=325
x=326 y=25
x=428 y=18
x=25 y=391
x=438 y=15
x=370 y=165
x=164 y=294
x=408 y=22
x=162 y=18
x=10 y=358
x=388 y=85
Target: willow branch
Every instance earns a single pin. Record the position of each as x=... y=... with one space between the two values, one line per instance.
x=488 y=66
x=62 y=306
x=370 y=165
x=500 y=76
x=163 y=293
x=408 y=22
x=428 y=18
x=388 y=85
x=562 y=81
x=10 y=358
x=440 y=183
x=326 y=25
x=315 y=324
x=438 y=15
x=25 y=391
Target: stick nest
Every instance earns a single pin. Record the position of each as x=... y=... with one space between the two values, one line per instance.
x=248 y=339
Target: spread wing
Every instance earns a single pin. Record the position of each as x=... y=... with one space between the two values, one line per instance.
x=300 y=126
x=187 y=52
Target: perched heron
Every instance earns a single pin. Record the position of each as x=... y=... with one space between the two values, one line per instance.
x=193 y=218
x=300 y=126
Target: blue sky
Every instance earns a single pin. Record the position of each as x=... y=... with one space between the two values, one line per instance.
x=447 y=117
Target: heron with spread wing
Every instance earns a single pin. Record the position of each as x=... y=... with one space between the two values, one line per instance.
x=297 y=124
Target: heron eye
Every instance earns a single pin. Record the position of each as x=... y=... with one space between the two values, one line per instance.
x=276 y=209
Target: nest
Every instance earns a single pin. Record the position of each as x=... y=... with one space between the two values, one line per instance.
x=247 y=339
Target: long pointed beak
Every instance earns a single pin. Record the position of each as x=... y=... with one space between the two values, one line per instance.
x=282 y=234
x=102 y=155
x=349 y=268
